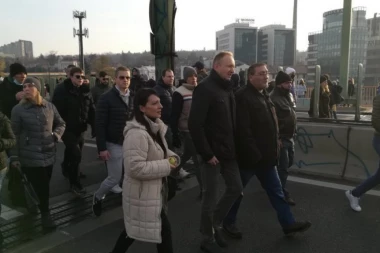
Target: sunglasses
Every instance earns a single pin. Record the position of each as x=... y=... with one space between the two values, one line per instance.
x=80 y=77
x=124 y=77
x=29 y=85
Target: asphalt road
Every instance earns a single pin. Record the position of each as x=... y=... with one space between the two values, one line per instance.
x=336 y=228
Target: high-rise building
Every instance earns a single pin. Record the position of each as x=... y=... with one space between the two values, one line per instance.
x=20 y=48
x=325 y=46
x=373 y=51
x=276 y=45
x=239 y=38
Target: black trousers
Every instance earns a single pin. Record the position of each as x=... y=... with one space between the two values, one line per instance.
x=73 y=155
x=39 y=178
x=124 y=242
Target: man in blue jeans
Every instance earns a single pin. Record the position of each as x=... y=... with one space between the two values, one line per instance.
x=257 y=147
x=285 y=105
x=354 y=195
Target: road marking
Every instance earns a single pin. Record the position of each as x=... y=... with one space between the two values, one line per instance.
x=8 y=213
x=90 y=145
x=329 y=185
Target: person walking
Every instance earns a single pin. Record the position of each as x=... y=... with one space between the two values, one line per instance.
x=38 y=127
x=148 y=162
x=212 y=125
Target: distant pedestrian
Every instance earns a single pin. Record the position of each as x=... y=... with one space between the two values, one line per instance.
x=324 y=100
x=201 y=71
x=101 y=87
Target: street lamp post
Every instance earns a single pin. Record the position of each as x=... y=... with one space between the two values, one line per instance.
x=80 y=33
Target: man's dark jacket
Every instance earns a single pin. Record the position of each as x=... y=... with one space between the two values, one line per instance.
x=75 y=105
x=212 y=118
x=165 y=93
x=112 y=114
x=285 y=111
x=98 y=90
x=257 y=135
x=8 y=95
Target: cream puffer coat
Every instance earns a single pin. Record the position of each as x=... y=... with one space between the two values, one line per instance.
x=145 y=167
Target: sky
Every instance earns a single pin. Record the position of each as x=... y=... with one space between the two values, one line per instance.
x=123 y=25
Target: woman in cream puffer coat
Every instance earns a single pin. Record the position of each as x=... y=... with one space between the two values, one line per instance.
x=145 y=188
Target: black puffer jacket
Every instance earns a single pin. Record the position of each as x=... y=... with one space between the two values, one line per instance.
x=212 y=118
x=8 y=96
x=285 y=111
x=257 y=136
x=98 y=90
x=111 y=117
x=165 y=92
x=7 y=139
x=75 y=105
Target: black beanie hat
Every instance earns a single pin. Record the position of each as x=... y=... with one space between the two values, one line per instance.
x=282 y=77
x=16 y=68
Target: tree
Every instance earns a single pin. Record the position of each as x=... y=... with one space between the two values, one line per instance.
x=52 y=58
x=101 y=63
x=2 y=66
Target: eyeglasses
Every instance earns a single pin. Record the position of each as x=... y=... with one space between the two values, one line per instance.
x=124 y=77
x=29 y=85
x=79 y=77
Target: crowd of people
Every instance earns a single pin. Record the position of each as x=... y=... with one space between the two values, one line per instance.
x=225 y=128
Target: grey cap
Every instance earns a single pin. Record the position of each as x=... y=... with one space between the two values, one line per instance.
x=188 y=72
x=35 y=81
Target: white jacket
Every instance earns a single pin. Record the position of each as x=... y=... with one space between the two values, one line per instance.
x=145 y=167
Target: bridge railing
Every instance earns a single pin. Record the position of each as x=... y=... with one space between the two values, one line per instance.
x=368 y=93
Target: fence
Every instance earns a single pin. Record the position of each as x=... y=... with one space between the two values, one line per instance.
x=368 y=93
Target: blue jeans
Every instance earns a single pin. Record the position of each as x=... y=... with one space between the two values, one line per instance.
x=372 y=181
x=270 y=182
x=286 y=160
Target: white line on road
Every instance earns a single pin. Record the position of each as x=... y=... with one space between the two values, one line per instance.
x=328 y=185
x=90 y=145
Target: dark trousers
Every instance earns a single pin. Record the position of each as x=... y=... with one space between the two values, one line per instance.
x=213 y=211
x=189 y=151
x=39 y=178
x=73 y=155
x=286 y=160
x=166 y=246
x=270 y=182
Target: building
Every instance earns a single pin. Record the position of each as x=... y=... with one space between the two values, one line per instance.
x=240 y=38
x=373 y=51
x=276 y=45
x=325 y=46
x=21 y=49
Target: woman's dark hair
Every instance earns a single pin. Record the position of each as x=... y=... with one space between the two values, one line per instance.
x=141 y=99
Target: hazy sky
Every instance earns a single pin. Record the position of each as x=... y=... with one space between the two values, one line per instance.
x=123 y=25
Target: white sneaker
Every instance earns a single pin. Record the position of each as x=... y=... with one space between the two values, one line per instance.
x=354 y=201
x=183 y=173
x=116 y=189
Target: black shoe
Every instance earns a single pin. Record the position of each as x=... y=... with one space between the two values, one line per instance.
x=232 y=231
x=219 y=238
x=47 y=221
x=211 y=247
x=82 y=176
x=296 y=227
x=78 y=190
x=96 y=206
x=290 y=201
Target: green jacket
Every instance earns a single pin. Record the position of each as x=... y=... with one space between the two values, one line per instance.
x=376 y=114
x=7 y=139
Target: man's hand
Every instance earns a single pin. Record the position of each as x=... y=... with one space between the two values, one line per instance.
x=20 y=95
x=213 y=161
x=104 y=155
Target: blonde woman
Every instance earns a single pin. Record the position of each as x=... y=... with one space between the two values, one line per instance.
x=324 y=100
x=38 y=127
